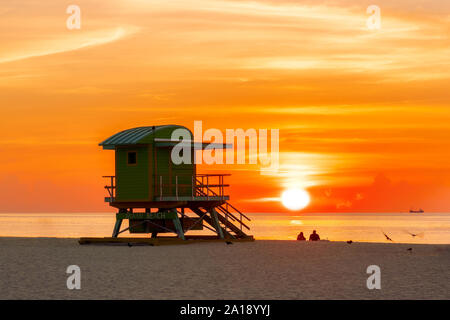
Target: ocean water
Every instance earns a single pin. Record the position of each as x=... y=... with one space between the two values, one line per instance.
x=369 y=227
x=429 y=227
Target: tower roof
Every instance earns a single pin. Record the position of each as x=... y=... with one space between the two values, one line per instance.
x=161 y=135
x=137 y=135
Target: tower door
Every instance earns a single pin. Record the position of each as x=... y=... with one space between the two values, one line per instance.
x=171 y=179
x=132 y=167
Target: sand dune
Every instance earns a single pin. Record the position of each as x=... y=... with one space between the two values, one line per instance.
x=35 y=268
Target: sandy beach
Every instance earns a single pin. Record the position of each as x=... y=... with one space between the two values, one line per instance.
x=35 y=268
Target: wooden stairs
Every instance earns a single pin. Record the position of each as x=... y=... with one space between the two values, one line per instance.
x=226 y=219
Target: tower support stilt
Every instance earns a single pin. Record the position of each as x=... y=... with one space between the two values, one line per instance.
x=117 y=227
x=215 y=220
x=178 y=227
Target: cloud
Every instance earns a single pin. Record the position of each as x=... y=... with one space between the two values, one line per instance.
x=61 y=44
x=273 y=199
x=344 y=204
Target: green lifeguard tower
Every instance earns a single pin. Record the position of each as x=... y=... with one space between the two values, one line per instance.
x=158 y=196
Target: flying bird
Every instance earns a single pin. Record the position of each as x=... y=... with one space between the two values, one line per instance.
x=420 y=235
x=387 y=237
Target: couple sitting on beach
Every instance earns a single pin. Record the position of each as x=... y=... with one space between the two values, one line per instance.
x=313 y=237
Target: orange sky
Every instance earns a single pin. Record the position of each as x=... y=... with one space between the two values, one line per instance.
x=363 y=115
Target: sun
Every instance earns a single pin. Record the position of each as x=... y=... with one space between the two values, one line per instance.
x=295 y=199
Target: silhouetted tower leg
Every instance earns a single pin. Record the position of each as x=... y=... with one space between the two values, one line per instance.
x=215 y=220
x=118 y=224
x=178 y=227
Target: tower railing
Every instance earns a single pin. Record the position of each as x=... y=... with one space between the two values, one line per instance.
x=209 y=186
x=111 y=188
x=181 y=186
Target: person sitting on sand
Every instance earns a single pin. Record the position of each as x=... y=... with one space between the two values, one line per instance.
x=314 y=236
x=301 y=237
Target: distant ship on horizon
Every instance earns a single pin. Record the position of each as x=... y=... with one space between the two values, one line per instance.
x=416 y=211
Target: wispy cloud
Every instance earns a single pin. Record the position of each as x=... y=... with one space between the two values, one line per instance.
x=66 y=43
x=269 y=199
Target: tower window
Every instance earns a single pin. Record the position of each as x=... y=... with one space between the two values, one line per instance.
x=132 y=158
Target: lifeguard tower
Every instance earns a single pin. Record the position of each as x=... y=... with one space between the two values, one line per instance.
x=157 y=196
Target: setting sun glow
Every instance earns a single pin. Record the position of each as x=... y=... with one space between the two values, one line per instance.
x=295 y=199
